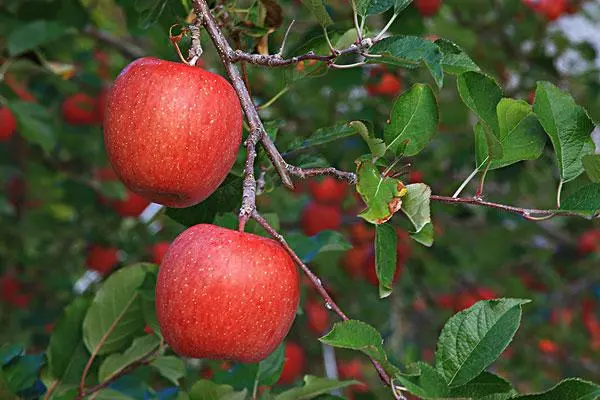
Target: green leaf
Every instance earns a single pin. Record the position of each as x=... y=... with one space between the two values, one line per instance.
x=22 y=373
x=34 y=34
x=487 y=145
x=307 y=248
x=313 y=387
x=568 y=126
x=521 y=136
x=386 y=240
x=270 y=368
x=416 y=205
x=148 y=302
x=170 y=367
x=115 y=314
x=481 y=94
x=322 y=136
x=113 y=190
x=414 y=119
x=569 y=389
x=207 y=390
x=139 y=349
x=357 y=335
x=372 y=7
x=66 y=353
x=346 y=40
x=34 y=123
x=318 y=9
x=400 y=5
x=585 y=200
x=483 y=385
x=111 y=394
x=226 y=198
x=410 y=52
x=591 y=164
x=425 y=235
x=9 y=352
x=472 y=339
x=376 y=145
x=426 y=382
x=454 y=60
x=382 y=195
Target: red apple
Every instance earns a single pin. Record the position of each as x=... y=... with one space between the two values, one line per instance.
x=131 y=206
x=445 y=301
x=226 y=295
x=589 y=242
x=171 y=131
x=293 y=363
x=415 y=177
x=21 y=300
x=467 y=298
x=10 y=286
x=554 y=9
x=318 y=217
x=80 y=109
x=328 y=191
x=371 y=273
x=158 y=251
x=548 y=346
x=388 y=85
x=353 y=370
x=102 y=259
x=361 y=233
x=8 y=124
x=19 y=88
x=428 y=8
x=318 y=317
x=354 y=259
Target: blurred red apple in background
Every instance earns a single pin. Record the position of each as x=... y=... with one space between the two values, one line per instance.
x=101 y=258
x=293 y=363
x=318 y=217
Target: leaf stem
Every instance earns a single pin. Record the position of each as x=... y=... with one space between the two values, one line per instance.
x=387 y=26
x=274 y=98
x=465 y=183
x=482 y=180
x=559 y=192
x=356 y=24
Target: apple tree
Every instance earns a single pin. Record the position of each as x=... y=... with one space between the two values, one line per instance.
x=285 y=199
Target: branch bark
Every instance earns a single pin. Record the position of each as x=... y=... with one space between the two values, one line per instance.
x=316 y=282
x=126 y=48
x=206 y=19
x=527 y=213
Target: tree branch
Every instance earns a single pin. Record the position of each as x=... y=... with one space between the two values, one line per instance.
x=126 y=48
x=206 y=19
x=329 y=303
x=304 y=173
x=527 y=213
x=145 y=360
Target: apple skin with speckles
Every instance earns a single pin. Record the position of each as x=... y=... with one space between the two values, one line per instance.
x=171 y=131
x=226 y=295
